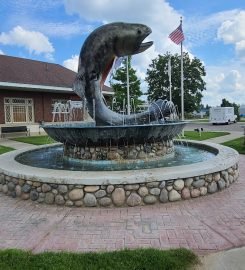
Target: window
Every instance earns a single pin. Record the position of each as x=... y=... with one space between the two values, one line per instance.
x=18 y=110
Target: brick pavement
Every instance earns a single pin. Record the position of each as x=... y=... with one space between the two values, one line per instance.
x=205 y=224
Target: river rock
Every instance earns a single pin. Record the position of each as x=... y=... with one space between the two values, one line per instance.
x=59 y=199
x=5 y=189
x=216 y=177
x=209 y=178
x=203 y=190
x=155 y=191
x=131 y=187
x=91 y=189
x=113 y=156
x=163 y=184
x=225 y=175
x=152 y=184
x=62 y=189
x=33 y=195
x=2 y=179
x=179 y=184
x=134 y=199
x=110 y=188
x=36 y=184
x=11 y=186
x=78 y=203
x=49 y=198
x=231 y=179
x=46 y=188
x=188 y=182
x=221 y=184
x=90 y=200
x=185 y=193
x=26 y=188
x=143 y=191
x=100 y=193
x=195 y=193
x=76 y=194
x=150 y=199
x=18 y=191
x=142 y=155
x=198 y=183
x=105 y=202
x=212 y=187
x=118 y=196
x=69 y=203
x=163 y=195
x=174 y=195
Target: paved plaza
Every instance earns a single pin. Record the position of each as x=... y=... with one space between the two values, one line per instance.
x=205 y=224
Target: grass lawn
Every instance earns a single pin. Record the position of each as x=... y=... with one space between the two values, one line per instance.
x=193 y=135
x=4 y=149
x=121 y=260
x=200 y=121
x=37 y=140
x=237 y=144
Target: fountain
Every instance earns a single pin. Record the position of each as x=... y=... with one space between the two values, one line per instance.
x=113 y=159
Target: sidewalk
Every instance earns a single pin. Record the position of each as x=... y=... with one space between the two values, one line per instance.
x=14 y=144
x=206 y=225
x=229 y=137
x=233 y=259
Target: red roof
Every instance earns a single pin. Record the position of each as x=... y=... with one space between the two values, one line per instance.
x=27 y=71
x=32 y=72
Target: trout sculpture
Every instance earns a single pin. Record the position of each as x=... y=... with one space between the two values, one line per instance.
x=95 y=61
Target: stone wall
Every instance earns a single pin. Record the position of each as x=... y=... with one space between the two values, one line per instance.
x=118 y=195
x=135 y=151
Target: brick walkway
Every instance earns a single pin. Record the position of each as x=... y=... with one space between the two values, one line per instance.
x=206 y=224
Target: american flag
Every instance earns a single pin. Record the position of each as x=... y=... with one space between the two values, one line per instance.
x=177 y=35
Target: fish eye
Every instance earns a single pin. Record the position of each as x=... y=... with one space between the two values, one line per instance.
x=139 y=31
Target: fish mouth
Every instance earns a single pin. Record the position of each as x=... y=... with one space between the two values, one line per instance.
x=144 y=46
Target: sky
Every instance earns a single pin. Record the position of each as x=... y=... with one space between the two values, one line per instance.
x=54 y=31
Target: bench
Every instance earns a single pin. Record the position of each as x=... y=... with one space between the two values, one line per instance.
x=15 y=129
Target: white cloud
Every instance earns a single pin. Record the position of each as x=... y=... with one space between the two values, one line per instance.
x=202 y=29
x=1 y=52
x=225 y=82
x=232 y=31
x=138 y=11
x=71 y=63
x=35 y=42
x=60 y=29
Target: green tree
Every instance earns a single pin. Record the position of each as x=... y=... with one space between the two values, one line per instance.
x=158 y=80
x=119 y=83
x=226 y=103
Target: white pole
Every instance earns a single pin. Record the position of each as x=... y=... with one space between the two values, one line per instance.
x=182 y=82
x=182 y=85
x=170 y=80
x=128 y=96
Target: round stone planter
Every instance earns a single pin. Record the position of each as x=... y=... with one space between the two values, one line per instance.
x=119 y=188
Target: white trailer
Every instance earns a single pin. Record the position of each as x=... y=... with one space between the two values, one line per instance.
x=222 y=115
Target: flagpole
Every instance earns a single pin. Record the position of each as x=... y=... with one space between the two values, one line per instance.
x=170 y=79
x=128 y=96
x=182 y=78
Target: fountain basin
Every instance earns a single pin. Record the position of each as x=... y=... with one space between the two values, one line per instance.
x=119 y=188
x=81 y=134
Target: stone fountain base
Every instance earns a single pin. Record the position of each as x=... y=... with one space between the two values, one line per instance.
x=122 y=152
x=119 y=188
